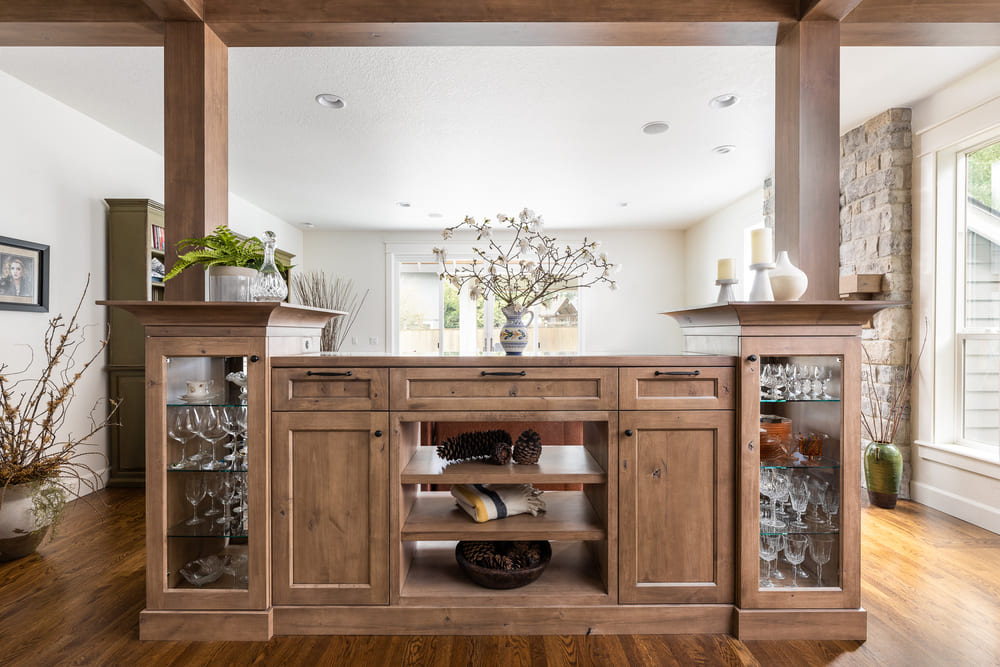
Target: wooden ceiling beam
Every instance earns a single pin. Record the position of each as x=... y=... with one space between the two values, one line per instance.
x=516 y=11
x=919 y=34
x=178 y=10
x=496 y=34
x=63 y=11
x=827 y=10
x=82 y=33
x=926 y=11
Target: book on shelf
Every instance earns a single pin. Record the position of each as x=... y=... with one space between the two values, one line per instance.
x=158 y=238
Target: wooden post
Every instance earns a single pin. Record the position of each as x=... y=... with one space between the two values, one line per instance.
x=807 y=152
x=196 y=136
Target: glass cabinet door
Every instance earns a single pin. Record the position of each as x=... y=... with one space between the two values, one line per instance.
x=803 y=458
x=208 y=458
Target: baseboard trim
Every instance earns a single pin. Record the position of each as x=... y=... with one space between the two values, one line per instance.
x=960 y=507
x=818 y=624
x=206 y=626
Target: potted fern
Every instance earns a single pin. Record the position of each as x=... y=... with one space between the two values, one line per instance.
x=232 y=262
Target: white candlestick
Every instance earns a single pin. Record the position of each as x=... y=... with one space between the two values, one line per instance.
x=725 y=269
x=761 y=246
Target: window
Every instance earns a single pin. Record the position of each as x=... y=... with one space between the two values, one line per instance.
x=977 y=331
x=432 y=318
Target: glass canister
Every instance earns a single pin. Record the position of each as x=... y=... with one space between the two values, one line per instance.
x=268 y=285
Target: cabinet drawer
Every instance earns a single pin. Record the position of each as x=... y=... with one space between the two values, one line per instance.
x=677 y=388
x=504 y=388
x=306 y=389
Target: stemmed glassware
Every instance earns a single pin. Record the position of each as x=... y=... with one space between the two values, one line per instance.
x=799 y=495
x=816 y=490
x=227 y=491
x=795 y=553
x=234 y=565
x=769 y=545
x=213 y=432
x=820 y=547
x=183 y=428
x=831 y=505
x=194 y=491
x=212 y=491
x=230 y=423
x=773 y=483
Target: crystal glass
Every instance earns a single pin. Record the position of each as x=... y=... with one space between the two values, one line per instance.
x=212 y=491
x=831 y=505
x=795 y=553
x=234 y=565
x=798 y=492
x=769 y=545
x=820 y=548
x=183 y=427
x=214 y=432
x=268 y=285
x=227 y=491
x=194 y=491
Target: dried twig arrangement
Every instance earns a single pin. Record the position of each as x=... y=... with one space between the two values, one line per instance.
x=883 y=424
x=33 y=449
x=316 y=289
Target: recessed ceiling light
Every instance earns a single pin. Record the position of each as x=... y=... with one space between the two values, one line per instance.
x=308 y=225
x=435 y=215
x=724 y=150
x=723 y=101
x=655 y=127
x=623 y=204
x=403 y=204
x=330 y=101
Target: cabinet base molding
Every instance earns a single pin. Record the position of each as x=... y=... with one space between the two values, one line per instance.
x=801 y=624
x=631 y=619
x=206 y=626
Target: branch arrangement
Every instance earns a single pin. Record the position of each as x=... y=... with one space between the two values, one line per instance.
x=33 y=411
x=314 y=288
x=527 y=268
x=882 y=425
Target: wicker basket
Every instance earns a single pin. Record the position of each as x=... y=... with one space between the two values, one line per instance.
x=497 y=578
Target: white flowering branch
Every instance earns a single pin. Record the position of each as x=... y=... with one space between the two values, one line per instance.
x=529 y=267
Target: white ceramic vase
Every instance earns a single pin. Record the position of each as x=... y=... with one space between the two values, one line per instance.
x=788 y=282
x=514 y=334
x=229 y=283
x=19 y=535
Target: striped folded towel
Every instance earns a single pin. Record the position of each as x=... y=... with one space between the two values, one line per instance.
x=484 y=502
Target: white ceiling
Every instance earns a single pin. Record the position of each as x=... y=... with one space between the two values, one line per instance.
x=475 y=131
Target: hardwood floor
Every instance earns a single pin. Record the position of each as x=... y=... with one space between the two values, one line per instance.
x=931 y=585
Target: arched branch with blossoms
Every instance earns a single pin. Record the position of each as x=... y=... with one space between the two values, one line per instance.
x=527 y=267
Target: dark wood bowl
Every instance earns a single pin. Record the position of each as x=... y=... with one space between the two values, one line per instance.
x=495 y=578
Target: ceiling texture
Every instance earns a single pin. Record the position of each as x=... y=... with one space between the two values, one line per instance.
x=456 y=131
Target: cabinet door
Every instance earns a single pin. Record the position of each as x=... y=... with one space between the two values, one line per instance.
x=330 y=508
x=801 y=428
x=677 y=504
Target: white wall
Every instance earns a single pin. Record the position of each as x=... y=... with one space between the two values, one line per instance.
x=623 y=322
x=56 y=168
x=947 y=476
x=716 y=237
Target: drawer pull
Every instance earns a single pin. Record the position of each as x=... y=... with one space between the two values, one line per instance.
x=677 y=373
x=378 y=434
x=327 y=373
x=628 y=432
x=484 y=373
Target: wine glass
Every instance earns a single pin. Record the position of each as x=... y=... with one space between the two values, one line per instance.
x=212 y=491
x=820 y=547
x=766 y=382
x=799 y=494
x=230 y=423
x=795 y=553
x=227 y=490
x=831 y=505
x=213 y=432
x=769 y=545
x=194 y=491
x=183 y=427
x=817 y=488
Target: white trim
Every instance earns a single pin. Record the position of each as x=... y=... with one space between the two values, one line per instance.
x=981 y=461
x=963 y=508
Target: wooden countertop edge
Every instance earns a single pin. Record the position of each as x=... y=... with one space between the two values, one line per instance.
x=782 y=313
x=388 y=361
x=208 y=314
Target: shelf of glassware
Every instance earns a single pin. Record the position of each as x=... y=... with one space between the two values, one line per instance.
x=207 y=527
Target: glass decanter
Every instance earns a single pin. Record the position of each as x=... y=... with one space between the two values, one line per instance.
x=268 y=285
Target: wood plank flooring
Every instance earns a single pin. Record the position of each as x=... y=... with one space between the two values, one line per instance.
x=931 y=585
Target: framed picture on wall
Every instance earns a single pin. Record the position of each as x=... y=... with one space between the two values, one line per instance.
x=24 y=275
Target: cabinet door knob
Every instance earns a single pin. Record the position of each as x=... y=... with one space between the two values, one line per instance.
x=628 y=432
x=378 y=434
x=254 y=358
x=752 y=357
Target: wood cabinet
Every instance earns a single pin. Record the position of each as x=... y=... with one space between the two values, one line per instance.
x=677 y=507
x=330 y=507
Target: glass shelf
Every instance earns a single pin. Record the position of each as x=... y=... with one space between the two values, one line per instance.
x=223 y=404
x=800 y=400
x=190 y=470
x=821 y=463
x=818 y=530
x=208 y=528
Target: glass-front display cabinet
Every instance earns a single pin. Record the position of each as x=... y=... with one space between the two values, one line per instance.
x=208 y=451
x=799 y=453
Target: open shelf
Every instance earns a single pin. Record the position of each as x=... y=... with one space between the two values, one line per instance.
x=568 y=516
x=556 y=465
x=572 y=577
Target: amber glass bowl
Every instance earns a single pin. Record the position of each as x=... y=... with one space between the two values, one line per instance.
x=775 y=433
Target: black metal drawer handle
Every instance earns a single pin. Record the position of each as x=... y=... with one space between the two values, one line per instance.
x=677 y=373
x=484 y=373
x=328 y=373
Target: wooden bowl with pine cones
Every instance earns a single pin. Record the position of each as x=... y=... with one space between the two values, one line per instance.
x=503 y=564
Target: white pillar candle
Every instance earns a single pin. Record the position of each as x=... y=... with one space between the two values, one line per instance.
x=725 y=269
x=761 y=246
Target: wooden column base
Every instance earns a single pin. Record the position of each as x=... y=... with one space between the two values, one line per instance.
x=801 y=624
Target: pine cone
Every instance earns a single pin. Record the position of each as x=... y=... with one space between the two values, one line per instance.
x=499 y=562
x=528 y=447
x=478 y=553
x=494 y=445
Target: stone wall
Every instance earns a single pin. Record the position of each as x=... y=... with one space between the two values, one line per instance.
x=875 y=237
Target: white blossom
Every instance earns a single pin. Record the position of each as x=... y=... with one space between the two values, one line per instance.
x=447 y=234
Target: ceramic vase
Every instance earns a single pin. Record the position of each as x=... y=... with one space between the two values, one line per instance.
x=883 y=473
x=229 y=283
x=788 y=282
x=19 y=536
x=514 y=334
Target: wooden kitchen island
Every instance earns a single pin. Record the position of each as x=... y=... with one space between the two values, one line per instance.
x=652 y=504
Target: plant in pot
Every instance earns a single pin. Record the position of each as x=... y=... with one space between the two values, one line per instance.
x=889 y=408
x=523 y=268
x=41 y=465
x=232 y=262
